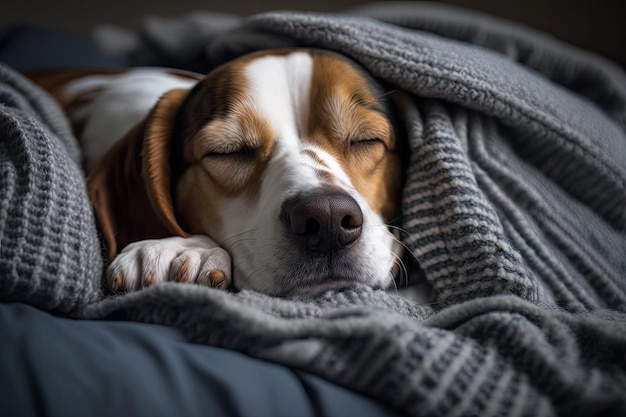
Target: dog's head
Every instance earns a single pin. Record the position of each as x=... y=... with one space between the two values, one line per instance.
x=287 y=159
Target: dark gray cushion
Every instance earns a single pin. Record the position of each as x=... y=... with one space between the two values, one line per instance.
x=63 y=367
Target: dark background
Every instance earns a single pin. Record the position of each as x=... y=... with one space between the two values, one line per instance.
x=598 y=25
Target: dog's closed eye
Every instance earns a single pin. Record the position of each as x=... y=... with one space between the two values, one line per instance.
x=368 y=142
x=242 y=152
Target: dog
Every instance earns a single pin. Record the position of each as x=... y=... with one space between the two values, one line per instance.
x=278 y=172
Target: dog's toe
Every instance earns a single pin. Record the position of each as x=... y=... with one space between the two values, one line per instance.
x=155 y=263
x=185 y=267
x=123 y=274
x=215 y=270
x=213 y=277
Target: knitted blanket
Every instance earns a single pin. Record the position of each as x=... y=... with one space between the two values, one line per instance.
x=514 y=209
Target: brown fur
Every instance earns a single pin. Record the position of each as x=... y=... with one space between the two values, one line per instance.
x=129 y=188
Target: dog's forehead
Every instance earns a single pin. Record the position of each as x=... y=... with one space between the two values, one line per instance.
x=300 y=73
x=315 y=74
x=305 y=93
x=325 y=67
x=278 y=89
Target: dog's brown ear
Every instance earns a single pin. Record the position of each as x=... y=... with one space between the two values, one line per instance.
x=130 y=187
x=157 y=149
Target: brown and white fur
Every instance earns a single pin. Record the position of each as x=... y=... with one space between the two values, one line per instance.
x=282 y=161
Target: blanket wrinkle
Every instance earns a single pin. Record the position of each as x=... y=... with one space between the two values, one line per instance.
x=514 y=210
x=585 y=73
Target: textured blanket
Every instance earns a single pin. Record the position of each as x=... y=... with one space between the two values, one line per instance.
x=514 y=209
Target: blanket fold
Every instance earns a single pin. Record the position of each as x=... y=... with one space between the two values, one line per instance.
x=514 y=209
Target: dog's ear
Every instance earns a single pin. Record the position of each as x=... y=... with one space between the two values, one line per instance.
x=130 y=187
x=157 y=149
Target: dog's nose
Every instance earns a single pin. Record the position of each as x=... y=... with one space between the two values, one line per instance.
x=324 y=222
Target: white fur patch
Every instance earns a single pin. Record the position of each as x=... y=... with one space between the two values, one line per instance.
x=118 y=102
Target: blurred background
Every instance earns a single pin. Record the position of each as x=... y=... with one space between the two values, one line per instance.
x=596 y=25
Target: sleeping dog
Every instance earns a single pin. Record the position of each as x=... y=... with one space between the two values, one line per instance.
x=276 y=172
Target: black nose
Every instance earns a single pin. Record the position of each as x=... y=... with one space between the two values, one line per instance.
x=324 y=222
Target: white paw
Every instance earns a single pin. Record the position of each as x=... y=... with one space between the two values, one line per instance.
x=195 y=259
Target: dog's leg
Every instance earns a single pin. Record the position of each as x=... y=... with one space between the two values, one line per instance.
x=195 y=259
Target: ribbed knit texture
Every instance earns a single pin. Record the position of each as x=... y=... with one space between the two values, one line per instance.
x=49 y=248
x=496 y=356
x=514 y=208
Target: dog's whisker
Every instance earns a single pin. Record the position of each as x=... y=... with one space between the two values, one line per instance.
x=238 y=242
x=239 y=234
x=404 y=278
x=258 y=270
x=241 y=239
x=393 y=281
x=404 y=273
x=386 y=94
x=250 y=271
x=246 y=262
x=400 y=229
x=407 y=249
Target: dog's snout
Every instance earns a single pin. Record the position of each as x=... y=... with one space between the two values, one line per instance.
x=325 y=222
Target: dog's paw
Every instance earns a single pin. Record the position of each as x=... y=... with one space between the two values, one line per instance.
x=195 y=259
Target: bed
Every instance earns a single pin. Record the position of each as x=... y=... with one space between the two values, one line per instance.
x=514 y=213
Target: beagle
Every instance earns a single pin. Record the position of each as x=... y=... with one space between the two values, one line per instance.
x=276 y=172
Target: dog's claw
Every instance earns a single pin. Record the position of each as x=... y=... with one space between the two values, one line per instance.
x=217 y=278
x=115 y=280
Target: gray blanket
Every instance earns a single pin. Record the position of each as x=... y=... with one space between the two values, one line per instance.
x=514 y=209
